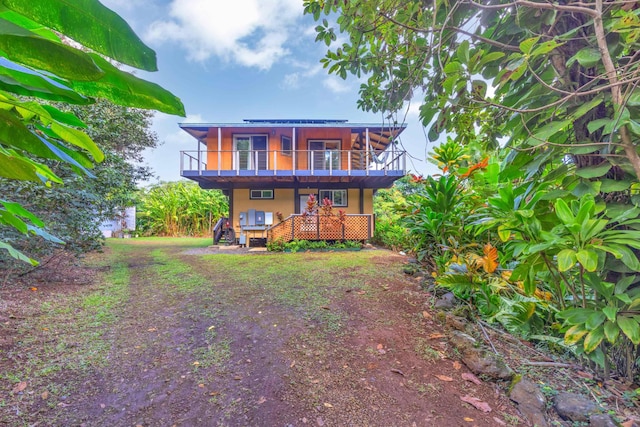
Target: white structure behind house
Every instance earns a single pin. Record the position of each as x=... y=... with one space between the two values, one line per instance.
x=115 y=227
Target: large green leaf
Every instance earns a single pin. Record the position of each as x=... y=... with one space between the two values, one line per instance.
x=575 y=316
x=27 y=48
x=564 y=213
x=23 y=81
x=17 y=254
x=588 y=259
x=595 y=320
x=574 y=334
x=64 y=117
x=593 y=339
x=12 y=220
x=611 y=313
x=17 y=209
x=79 y=139
x=594 y=171
x=13 y=133
x=566 y=259
x=611 y=331
x=90 y=23
x=126 y=89
x=630 y=328
x=587 y=57
x=611 y=185
x=28 y=24
x=15 y=167
x=544 y=133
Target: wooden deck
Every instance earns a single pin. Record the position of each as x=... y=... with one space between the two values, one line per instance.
x=322 y=227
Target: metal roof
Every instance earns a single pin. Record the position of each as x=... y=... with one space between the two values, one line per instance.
x=296 y=121
x=200 y=130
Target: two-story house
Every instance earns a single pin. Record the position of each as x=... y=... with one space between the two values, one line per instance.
x=268 y=169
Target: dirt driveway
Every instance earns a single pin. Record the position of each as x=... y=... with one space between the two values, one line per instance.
x=166 y=335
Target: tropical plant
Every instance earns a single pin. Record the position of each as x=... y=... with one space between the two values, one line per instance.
x=39 y=62
x=74 y=211
x=559 y=82
x=180 y=209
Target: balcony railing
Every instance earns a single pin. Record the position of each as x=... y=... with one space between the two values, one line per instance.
x=300 y=161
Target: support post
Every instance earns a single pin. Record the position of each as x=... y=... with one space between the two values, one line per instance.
x=366 y=156
x=294 y=147
x=219 y=149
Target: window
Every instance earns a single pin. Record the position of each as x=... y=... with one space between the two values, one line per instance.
x=338 y=197
x=261 y=194
x=324 y=155
x=285 y=145
x=249 y=150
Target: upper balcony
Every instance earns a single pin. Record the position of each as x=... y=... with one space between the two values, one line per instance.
x=291 y=153
x=278 y=168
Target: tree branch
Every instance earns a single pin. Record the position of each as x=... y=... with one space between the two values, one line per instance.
x=616 y=92
x=537 y=5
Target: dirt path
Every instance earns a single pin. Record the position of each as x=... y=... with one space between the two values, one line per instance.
x=272 y=340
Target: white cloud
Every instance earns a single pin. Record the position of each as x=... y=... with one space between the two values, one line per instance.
x=335 y=84
x=296 y=79
x=252 y=33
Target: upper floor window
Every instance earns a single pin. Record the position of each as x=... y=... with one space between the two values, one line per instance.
x=250 y=152
x=324 y=155
x=285 y=145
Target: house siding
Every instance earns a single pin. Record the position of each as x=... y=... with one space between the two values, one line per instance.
x=284 y=162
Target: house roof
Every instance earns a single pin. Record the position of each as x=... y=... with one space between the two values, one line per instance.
x=379 y=134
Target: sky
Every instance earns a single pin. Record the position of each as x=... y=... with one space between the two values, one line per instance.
x=245 y=59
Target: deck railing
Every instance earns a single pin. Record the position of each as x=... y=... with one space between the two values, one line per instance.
x=322 y=227
x=313 y=161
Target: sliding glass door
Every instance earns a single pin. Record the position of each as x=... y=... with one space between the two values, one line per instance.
x=324 y=155
x=250 y=152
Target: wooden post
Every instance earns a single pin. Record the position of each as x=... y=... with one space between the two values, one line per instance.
x=219 y=149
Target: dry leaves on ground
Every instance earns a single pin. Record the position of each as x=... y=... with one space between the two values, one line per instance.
x=476 y=403
x=470 y=377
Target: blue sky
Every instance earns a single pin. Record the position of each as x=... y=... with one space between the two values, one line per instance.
x=245 y=59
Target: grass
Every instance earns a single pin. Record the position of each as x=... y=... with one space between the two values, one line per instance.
x=70 y=337
x=306 y=283
x=69 y=334
x=425 y=351
x=184 y=242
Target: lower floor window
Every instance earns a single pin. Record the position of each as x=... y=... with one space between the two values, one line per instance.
x=337 y=197
x=261 y=194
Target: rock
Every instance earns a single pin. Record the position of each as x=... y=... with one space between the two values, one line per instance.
x=482 y=362
x=446 y=301
x=478 y=360
x=573 y=406
x=531 y=402
x=455 y=322
x=412 y=261
x=462 y=342
x=402 y=253
x=411 y=269
x=601 y=420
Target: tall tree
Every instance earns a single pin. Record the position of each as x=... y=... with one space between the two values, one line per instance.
x=557 y=78
x=73 y=211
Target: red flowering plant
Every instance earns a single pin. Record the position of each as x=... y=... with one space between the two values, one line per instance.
x=312 y=206
x=327 y=207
